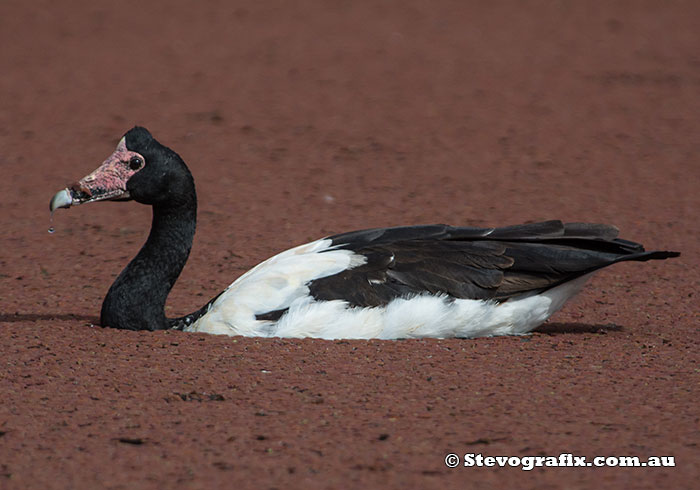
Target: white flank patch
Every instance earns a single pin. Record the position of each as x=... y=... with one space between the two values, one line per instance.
x=273 y=285
x=280 y=282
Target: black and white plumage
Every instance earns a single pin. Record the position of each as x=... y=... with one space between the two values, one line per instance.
x=416 y=281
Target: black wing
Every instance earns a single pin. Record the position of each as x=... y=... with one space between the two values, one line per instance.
x=473 y=263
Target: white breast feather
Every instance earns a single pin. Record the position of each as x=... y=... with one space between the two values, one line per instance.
x=273 y=285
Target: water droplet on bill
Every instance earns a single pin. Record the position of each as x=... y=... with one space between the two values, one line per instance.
x=51 y=228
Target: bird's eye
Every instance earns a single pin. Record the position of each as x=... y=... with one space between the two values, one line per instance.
x=135 y=163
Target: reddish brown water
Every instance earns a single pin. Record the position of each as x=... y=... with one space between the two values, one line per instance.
x=301 y=119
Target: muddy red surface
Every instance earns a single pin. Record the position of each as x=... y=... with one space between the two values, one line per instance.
x=301 y=119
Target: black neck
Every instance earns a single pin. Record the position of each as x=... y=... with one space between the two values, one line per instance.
x=136 y=300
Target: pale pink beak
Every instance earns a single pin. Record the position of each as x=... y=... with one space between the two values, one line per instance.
x=108 y=181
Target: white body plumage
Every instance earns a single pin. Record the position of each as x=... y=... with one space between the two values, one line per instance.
x=281 y=282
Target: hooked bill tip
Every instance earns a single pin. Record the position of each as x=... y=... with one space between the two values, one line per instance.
x=62 y=199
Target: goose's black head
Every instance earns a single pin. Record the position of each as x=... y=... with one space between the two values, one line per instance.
x=140 y=169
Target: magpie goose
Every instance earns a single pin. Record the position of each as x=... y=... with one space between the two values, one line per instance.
x=387 y=283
